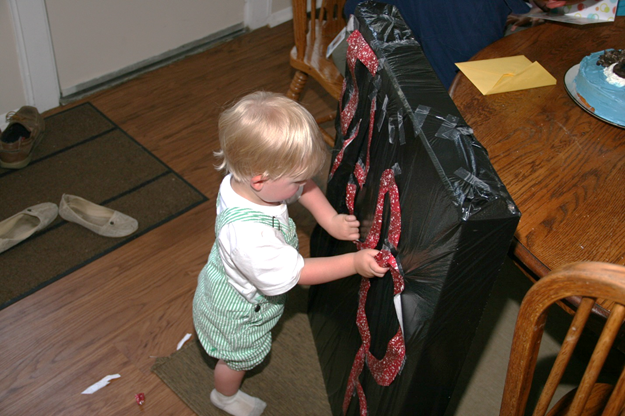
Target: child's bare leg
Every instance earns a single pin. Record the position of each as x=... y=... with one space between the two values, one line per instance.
x=227 y=380
x=227 y=395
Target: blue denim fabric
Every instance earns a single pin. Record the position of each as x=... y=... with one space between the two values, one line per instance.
x=451 y=31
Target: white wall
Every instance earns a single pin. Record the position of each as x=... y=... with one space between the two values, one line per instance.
x=11 y=87
x=94 y=40
x=281 y=11
x=278 y=5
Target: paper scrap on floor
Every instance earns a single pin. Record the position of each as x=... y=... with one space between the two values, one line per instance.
x=97 y=386
x=182 y=341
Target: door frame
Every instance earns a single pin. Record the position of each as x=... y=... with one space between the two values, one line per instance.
x=36 y=53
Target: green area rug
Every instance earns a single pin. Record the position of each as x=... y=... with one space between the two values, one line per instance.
x=84 y=153
x=289 y=380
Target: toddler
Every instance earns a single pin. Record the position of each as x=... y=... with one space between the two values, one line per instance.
x=271 y=147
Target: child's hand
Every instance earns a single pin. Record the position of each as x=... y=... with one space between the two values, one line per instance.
x=516 y=21
x=366 y=265
x=344 y=227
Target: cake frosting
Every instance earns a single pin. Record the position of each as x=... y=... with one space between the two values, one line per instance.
x=600 y=84
x=612 y=77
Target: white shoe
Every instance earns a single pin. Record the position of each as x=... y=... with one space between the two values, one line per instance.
x=22 y=225
x=101 y=220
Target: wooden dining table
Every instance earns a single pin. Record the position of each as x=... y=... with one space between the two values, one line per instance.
x=564 y=167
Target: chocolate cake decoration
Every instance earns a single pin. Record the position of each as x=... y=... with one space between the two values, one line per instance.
x=614 y=56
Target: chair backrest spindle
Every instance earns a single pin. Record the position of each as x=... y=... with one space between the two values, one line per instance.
x=564 y=356
x=590 y=281
x=313 y=31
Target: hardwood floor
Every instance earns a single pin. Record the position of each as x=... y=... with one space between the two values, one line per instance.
x=118 y=313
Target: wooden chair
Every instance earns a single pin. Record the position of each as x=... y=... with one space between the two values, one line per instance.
x=313 y=33
x=591 y=281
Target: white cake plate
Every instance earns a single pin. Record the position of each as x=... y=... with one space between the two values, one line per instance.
x=569 y=86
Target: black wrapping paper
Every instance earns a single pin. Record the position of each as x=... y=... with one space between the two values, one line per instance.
x=457 y=222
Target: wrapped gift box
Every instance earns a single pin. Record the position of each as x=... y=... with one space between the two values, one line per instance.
x=407 y=165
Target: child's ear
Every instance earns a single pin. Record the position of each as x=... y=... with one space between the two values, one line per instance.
x=257 y=182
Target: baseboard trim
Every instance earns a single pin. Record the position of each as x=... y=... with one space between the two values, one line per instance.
x=81 y=90
x=280 y=17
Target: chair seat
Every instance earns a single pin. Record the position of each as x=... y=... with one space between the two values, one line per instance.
x=315 y=63
x=313 y=31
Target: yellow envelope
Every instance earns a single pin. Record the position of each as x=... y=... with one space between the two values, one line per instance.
x=492 y=76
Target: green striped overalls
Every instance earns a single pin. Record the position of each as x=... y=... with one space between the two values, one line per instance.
x=228 y=326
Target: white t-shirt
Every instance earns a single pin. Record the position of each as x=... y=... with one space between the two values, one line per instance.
x=256 y=257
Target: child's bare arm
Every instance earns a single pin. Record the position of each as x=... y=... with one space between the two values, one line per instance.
x=339 y=226
x=327 y=269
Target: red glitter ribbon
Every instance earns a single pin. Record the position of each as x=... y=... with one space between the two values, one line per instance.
x=358 y=50
x=385 y=370
x=339 y=157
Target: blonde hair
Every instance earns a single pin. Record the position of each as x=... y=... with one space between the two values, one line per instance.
x=271 y=135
